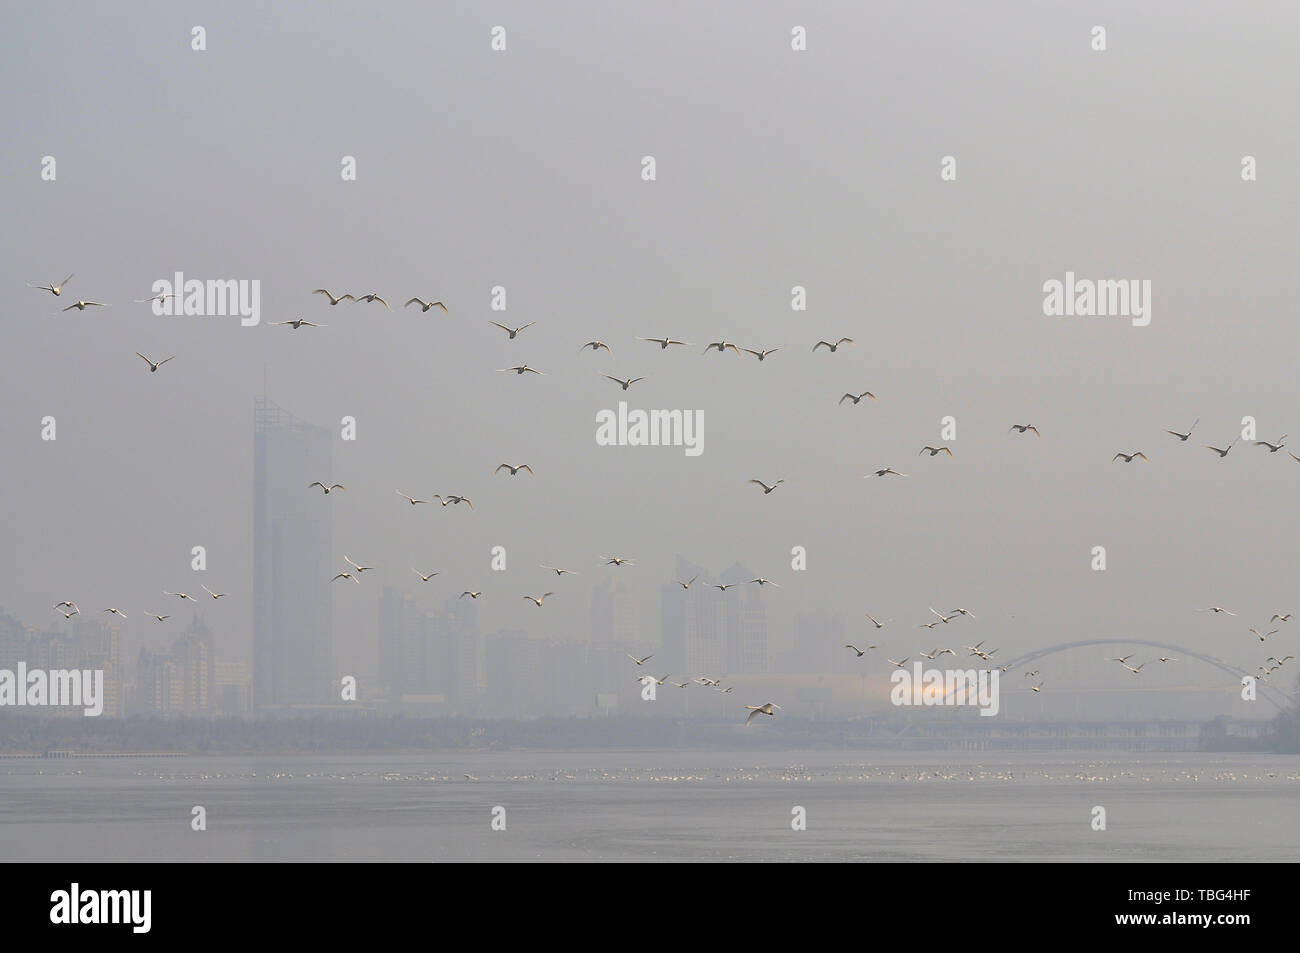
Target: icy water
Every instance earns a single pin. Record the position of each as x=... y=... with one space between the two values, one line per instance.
x=655 y=806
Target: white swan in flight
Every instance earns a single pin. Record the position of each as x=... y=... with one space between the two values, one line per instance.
x=624 y=383
x=334 y=300
x=1021 y=428
x=765 y=709
x=152 y=366
x=664 y=342
x=833 y=347
x=423 y=577
x=332 y=486
x=514 y=468
x=513 y=332
x=538 y=600
x=55 y=290
x=298 y=323
x=761 y=355
x=426 y=305
x=1128 y=457
x=857 y=398
x=767 y=489
x=1183 y=436
x=83 y=305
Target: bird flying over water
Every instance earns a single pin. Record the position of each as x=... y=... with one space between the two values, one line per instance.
x=760 y=710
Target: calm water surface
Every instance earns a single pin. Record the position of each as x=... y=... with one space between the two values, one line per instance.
x=655 y=806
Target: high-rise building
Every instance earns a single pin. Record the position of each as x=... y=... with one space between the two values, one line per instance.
x=292 y=560
x=614 y=614
x=745 y=624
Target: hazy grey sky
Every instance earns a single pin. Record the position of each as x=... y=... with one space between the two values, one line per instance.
x=774 y=168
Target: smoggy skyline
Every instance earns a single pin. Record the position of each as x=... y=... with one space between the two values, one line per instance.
x=522 y=169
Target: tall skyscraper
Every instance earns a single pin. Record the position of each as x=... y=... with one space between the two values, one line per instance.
x=292 y=560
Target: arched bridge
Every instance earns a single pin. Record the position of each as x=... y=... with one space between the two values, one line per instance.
x=1275 y=696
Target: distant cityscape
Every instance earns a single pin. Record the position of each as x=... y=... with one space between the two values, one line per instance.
x=440 y=662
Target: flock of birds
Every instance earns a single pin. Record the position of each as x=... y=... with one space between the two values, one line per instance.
x=355 y=570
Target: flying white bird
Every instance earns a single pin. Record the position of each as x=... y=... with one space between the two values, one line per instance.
x=83 y=305
x=152 y=366
x=1135 y=670
x=1224 y=452
x=298 y=323
x=332 y=486
x=1120 y=660
x=333 y=300
x=1272 y=447
x=596 y=346
x=856 y=398
x=426 y=305
x=1128 y=457
x=1216 y=610
x=513 y=332
x=1021 y=428
x=423 y=577
x=155 y=615
x=116 y=612
x=761 y=355
x=514 y=468
x=410 y=499
x=181 y=595
x=934 y=451
x=472 y=595
x=1281 y=618
x=767 y=489
x=519 y=369
x=764 y=582
x=885 y=471
x=67 y=603
x=1183 y=436
x=560 y=572
x=878 y=625
x=849 y=645
x=686 y=585
x=721 y=346
x=214 y=595
x=1166 y=658
x=359 y=569
x=664 y=342
x=68 y=615
x=346 y=575
x=942 y=617
x=959 y=611
x=765 y=709
x=640 y=661
x=722 y=588
x=615 y=560
x=55 y=290
x=1264 y=635
x=539 y=599
x=1036 y=688
x=625 y=384
x=833 y=347
x=161 y=296
x=371 y=297
x=898 y=664
x=456 y=499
